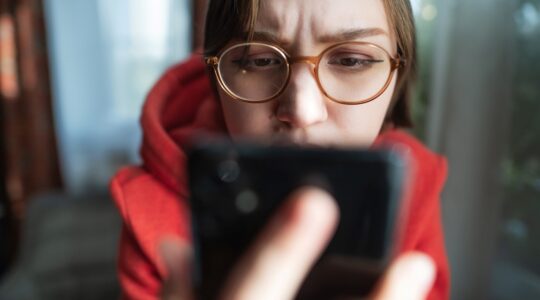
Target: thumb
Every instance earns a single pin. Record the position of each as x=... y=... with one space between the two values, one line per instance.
x=410 y=277
x=288 y=246
x=176 y=257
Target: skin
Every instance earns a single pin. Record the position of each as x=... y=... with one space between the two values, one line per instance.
x=276 y=264
x=302 y=114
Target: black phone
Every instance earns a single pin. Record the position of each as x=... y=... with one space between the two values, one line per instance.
x=235 y=188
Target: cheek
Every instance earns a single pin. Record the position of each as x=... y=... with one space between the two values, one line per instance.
x=245 y=119
x=359 y=125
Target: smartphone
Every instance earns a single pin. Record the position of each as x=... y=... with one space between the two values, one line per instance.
x=236 y=188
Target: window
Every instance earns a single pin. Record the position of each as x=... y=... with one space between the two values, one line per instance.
x=105 y=56
x=517 y=269
x=425 y=12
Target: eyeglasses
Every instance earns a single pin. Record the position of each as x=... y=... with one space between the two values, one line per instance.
x=347 y=73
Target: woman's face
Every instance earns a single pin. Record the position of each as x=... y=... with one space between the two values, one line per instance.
x=302 y=114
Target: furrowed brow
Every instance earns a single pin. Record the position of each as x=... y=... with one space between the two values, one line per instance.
x=350 y=34
x=264 y=36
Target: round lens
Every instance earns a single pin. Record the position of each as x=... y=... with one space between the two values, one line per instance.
x=253 y=72
x=354 y=72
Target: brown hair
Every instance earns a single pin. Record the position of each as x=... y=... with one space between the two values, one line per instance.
x=230 y=19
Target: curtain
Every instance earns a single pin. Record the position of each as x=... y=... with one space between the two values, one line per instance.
x=29 y=156
x=473 y=67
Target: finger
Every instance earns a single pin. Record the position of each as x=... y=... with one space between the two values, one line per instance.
x=284 y=252
x=176 y=257
x=410 y=277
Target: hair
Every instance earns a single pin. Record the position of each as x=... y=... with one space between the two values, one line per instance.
x=233 y=19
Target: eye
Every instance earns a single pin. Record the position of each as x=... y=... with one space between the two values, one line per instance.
x=263 y=62
x=258 y=62
x=353 y=61
x=350 y=61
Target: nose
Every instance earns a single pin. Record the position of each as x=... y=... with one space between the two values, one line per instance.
x=302 y=104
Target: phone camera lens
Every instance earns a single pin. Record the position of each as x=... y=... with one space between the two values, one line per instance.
x=228 y=171
x=247 y=201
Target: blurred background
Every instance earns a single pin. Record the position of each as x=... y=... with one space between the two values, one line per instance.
x=74 y=74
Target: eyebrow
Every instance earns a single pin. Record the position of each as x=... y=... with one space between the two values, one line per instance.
x=269 y=37
x=340 y=36
x=351 y=34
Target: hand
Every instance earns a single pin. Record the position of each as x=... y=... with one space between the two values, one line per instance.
x=410 y=277
x=283 y=254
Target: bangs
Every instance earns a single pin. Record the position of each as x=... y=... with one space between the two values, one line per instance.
x=227 y=21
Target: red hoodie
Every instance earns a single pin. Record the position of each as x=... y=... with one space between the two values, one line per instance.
x=152 y=198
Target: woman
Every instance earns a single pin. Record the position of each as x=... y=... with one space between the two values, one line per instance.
x=328 y=73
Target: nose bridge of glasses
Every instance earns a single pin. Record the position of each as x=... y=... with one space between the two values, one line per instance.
x=312 y=60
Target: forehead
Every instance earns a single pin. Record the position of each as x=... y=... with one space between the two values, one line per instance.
x=304 y=21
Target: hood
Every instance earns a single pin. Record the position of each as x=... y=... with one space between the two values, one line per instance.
x=180 y=105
